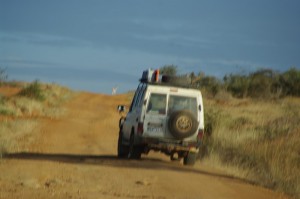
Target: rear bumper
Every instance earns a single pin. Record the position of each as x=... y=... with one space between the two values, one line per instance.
x=169 y=144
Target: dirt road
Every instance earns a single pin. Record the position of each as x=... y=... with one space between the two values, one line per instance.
x=75 y=157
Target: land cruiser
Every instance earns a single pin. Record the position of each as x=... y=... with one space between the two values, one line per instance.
x=165 y=115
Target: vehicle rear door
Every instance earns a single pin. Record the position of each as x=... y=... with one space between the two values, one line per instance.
x=155 y=115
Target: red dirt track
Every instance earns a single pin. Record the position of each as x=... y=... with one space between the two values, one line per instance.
x=74 y=156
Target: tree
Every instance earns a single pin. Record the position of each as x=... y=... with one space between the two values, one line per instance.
x=237 y=85
x=261 y=83
x=290 y=82
x=211 y=84
x=169 y=70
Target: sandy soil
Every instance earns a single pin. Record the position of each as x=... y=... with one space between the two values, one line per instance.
x=8 y=90
x=75 y=157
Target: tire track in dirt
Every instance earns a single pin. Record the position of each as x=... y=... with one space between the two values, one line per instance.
x=75 y=157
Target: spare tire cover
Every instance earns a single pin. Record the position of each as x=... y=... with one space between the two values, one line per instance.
x=182 y=124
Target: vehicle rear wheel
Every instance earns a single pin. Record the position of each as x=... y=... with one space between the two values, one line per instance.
x=122 y=149
x=190 y=159
x=135 y=152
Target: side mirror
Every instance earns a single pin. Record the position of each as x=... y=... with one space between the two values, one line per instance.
x=121 y=108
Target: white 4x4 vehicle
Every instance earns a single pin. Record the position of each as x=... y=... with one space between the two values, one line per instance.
x=163 y=116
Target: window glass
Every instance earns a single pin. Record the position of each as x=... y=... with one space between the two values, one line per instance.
x=140 y=101
x=157 y=104
x=183 y=103
x=135 y=97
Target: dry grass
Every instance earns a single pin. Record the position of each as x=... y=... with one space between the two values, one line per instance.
x=257 y=140
x=19 y=115
x=11 y=132
x=18 y=106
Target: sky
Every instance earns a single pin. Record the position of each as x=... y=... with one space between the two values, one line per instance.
x=95 y=45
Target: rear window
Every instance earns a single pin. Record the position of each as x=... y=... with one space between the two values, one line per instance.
x=182 y=103
x=157 y=104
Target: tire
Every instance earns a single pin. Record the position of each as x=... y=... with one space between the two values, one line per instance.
x=134 y=152
x=121 y=121
x=182 y=124
x=190 y=159
x=122 y=149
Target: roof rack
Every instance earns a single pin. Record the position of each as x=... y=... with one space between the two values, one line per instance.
x=153 y=77
x=150 y=75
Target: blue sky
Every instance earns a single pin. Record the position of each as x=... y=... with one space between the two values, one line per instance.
x=95 y=45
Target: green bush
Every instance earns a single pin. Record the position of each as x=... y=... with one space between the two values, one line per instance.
x=261 y=83
x=211 y=84
x=168 y=70
x=237 y=85
x=290 y=82
x=3 y=109
x=264 y=83
x=5 y=112
x=33 y=91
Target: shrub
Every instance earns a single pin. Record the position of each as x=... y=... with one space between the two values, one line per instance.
x=169 y=70
x=212 y=120
x=4 y=110
x=211 y=84
x=33 y=91
x=237 y=84
x=264 y=83
x=2 y=99
x=261 y=83
x=258 y=141
x=290 y=82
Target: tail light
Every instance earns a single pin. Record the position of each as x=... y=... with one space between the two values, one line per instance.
x=140 y=128
x=200 y=134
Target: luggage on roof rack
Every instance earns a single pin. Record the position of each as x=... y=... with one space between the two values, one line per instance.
x=150 y=76
x=154 y=77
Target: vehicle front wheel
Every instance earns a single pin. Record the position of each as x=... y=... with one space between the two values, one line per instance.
x=135 y=152
x=122 y=149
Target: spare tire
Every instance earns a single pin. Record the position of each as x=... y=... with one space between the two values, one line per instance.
x=182 y=124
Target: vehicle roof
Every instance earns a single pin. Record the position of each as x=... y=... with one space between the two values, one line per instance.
x=172 y=86
x=173 y=89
